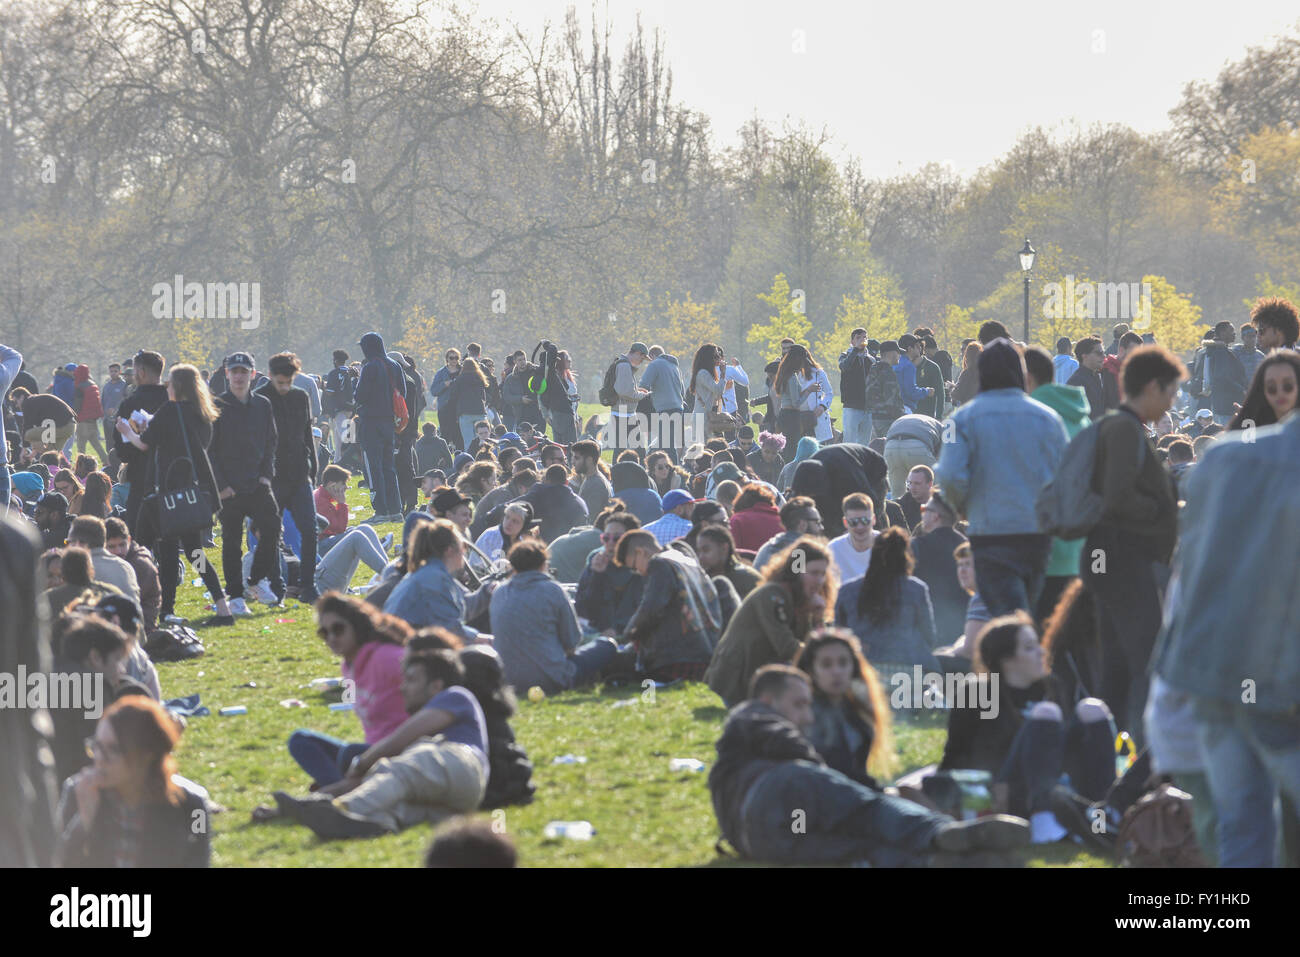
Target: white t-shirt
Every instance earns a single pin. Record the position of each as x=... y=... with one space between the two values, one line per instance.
x=850 y=562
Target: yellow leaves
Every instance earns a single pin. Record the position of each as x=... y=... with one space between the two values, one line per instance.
x=879 y=309
x=1175 y=320
x=690 y=324
x=1259 y=196
x=418 y=340
x=789 y=321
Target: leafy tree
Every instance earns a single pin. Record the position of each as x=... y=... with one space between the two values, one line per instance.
x=878 y=308
x=788 y=323
x=690 y=324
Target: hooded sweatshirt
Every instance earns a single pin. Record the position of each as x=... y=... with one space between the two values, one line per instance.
x=63 y=385
x=632 y=484
x=86 y=396
x=1071 y=404
x=380 y=375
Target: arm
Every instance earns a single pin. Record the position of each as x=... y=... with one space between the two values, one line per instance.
x=952 y=471
x=267 y=465
x=11 y=361
x=423 y=724
x=737 y=374
x=1121 y=500
x=912 y=393
x=569 y=632
x=654 y=602
x=774 y=616
x=311 y=445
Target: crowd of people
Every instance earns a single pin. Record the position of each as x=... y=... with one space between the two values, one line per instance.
x=809 y=568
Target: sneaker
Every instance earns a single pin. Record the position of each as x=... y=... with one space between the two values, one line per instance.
x=220 y=621
x=374 y=520
x=239 y=607
x=1044 y=828
x=327 y=819
x=1080 y=818
x=308 y=597
x=263 y=592
x=174 y=620
x=993 y=832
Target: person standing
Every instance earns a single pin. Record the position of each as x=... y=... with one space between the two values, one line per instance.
x=1005 y=447
x=380 y=378
x=440 y=390
x=1246 y=352
x=884 y=396
x=338 y=400
x=295 y=465
x=855 y=365
x=1087 y=377
x=1126 y=555
x=1064 y=364
x=929 y=375
x=111 y=395
x=1229 y=638
x=663 y=380
x=244 y=442
x=148 y=396
x=905 y=369
x=622 y=433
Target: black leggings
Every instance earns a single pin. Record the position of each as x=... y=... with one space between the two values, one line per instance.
x=192 y=542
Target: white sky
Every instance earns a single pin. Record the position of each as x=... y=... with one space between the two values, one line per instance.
x=904 y=83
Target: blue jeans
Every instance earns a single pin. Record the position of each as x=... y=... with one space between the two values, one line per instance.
x=297 y=499
x=804 y=813
x=377 y=446
x=1009 y=570
x=1249 y=755
x=857 y=426
x=323 y=757
x=1044 y=749
x=593 y=658
x=466 y=423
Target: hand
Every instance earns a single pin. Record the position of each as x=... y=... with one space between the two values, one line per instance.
x=123 y=426
x=733 y=361
x=227 y=492
x=600 y=562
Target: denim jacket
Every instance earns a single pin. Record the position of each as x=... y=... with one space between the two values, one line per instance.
x=1235 y=612
x=999 y=450
x=431 y=596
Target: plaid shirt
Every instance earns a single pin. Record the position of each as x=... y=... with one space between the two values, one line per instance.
x=669 y=528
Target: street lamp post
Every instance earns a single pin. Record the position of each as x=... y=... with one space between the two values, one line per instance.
x=1026 y=265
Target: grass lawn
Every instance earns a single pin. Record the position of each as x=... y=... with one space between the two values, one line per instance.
x=644 y=814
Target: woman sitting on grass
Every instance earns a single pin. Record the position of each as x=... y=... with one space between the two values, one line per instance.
x=852 y=723
x=1013 y=725
x=130 y=808
x=371 y=645
x=429 y=593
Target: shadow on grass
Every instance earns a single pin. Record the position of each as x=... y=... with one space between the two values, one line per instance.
x=709 y=713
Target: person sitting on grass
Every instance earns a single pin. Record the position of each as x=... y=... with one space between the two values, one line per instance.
x=433 y=766
x=1017 y=729
x=510 y=772
x=130 y=808
x=516 y=521
x=769 y=777
x=608 y=593
x=679 y=619
x=717 y=554
x=774 y=619
x=852 y=722
x=429 y=593
x=371 y=645
x=536 y=629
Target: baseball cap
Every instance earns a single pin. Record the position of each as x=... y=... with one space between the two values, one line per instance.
x=640 y=347
x=240 y=360
x=448 y=499
x=54 y=500
x=1204 y=414
x=677 y=497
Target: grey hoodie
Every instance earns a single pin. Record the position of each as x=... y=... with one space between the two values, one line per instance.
x=664 y=380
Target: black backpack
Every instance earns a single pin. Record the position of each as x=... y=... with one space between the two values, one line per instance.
x=607 y=394
x=338 y=390
x=173 y=643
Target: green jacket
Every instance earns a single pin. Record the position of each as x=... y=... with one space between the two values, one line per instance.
x=1071 y=403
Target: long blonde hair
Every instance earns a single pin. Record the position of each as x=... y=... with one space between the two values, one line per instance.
x=188 y=386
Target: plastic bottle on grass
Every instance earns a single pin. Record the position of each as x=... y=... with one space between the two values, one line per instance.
x=573 y=830
x=685 y=764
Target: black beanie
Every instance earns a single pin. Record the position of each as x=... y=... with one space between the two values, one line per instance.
x=1001 y=367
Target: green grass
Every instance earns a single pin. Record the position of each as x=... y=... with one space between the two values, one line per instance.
x=643 y=814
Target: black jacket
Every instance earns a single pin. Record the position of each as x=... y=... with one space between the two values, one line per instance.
x=754 y=739
x=295 y=450
x=167 y=445
x=432 y=452
x=149 y=398
x=244 y=440
x=853 y=378
x=340 y=383
x=1090 y=383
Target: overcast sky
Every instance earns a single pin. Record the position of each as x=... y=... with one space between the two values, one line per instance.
x=901 y=84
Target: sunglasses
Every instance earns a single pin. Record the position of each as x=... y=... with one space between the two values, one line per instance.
x=335 y=629
x=859 y=522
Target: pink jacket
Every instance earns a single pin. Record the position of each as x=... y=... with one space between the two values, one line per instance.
x=376 y=673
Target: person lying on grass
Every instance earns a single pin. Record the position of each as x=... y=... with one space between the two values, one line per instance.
x=433 y=766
